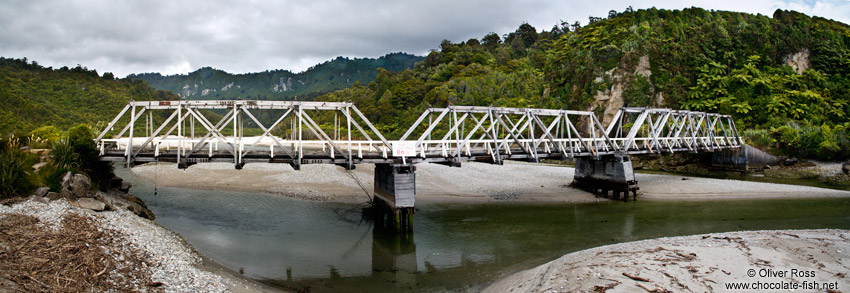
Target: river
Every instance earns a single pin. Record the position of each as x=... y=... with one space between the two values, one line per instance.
x=320 y=246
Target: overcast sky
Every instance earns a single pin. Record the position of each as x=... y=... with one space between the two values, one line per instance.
x=171 y=37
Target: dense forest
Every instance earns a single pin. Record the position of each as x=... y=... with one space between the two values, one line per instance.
x=785 y=79
x=33 y=96
x=209 y=83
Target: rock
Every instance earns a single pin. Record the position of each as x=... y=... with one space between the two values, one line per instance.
x=66 y=180
x=53 y=195
x=116 y=181
x=66 y=193
x=40 y=199
x=41 y=191
x=845 y=168
x=91 y=203
x=81 y=185
x=25 y=148
x=125 y=187
x=790 y=161
x=38 y=166
x=121 y=201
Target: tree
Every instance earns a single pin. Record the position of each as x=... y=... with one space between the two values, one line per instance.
x=491 y=40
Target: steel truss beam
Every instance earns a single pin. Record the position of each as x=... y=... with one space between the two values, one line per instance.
x=492 y=134
x=309 y=139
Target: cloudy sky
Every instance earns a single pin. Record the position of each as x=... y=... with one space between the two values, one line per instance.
x=171 y=37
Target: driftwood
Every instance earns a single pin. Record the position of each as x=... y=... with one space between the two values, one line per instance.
x=636 y=278
x=75 y=258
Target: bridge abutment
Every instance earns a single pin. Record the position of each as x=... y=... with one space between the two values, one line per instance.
x=606 y=173
x=395 y=189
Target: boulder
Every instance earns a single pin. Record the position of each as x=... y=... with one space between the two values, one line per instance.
x=116 y=181
x=41 y=191
x=121 y=201
x=846 y=168
x=91 y=203
x=66 y=180
x=53 y=195
x=66 y=193
x=81 y=185
x=125 y=187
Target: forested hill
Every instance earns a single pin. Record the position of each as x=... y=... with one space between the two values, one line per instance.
x=786 y=78
x=210 y=83
x=32 y=96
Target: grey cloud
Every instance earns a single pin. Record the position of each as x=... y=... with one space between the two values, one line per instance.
x=245 y=36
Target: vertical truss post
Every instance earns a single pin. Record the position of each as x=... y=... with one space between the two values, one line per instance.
x=130 y=140
x=348 y=129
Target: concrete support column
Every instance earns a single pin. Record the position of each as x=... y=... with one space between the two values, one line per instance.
x=395 y=189
x=606 y=173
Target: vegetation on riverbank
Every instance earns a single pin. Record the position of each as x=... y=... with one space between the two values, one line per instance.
x=785 y=77
x=69 y=152
x=33 y=96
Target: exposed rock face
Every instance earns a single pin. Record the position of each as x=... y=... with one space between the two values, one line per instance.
x=845 y=168
x=798 y=61
x=612 y=98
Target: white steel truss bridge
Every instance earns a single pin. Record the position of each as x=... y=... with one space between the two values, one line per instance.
x=295 y=132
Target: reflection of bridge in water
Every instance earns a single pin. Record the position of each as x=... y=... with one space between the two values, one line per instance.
x=297 y=133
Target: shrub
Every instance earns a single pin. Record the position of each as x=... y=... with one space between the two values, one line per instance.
x=15 y=169
x=759 y=138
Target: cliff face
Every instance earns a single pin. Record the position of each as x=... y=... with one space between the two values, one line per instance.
x=211 y=83
x=613 y=97
x=798 y=61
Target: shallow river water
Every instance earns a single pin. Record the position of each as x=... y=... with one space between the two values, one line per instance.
x=297 y=244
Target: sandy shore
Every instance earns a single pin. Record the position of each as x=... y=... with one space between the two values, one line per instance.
x=474 y=182
x=700 y=263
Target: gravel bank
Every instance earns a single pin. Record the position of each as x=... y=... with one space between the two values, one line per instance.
x=701 y=263
x=474 y=182
x=172 y=262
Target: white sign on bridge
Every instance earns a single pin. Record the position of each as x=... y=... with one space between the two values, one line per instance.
x=404 y=148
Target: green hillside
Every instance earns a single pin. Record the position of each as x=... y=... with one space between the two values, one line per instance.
x=210 y=83
x=785 y=78
x=32 y=96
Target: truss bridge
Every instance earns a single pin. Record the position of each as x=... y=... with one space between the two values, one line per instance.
x=298 y=133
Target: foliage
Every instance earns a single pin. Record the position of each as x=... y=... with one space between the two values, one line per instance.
x=32 y=96
x=209 y=83
x=728 y=62
x=15 y=169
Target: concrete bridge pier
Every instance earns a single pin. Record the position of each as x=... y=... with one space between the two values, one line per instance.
x=606 y=173
x=395 y=188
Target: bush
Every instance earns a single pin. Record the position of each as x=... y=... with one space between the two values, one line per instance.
x=759 y=138
x=15 y=169
x=64 y=156
x=81 y=139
